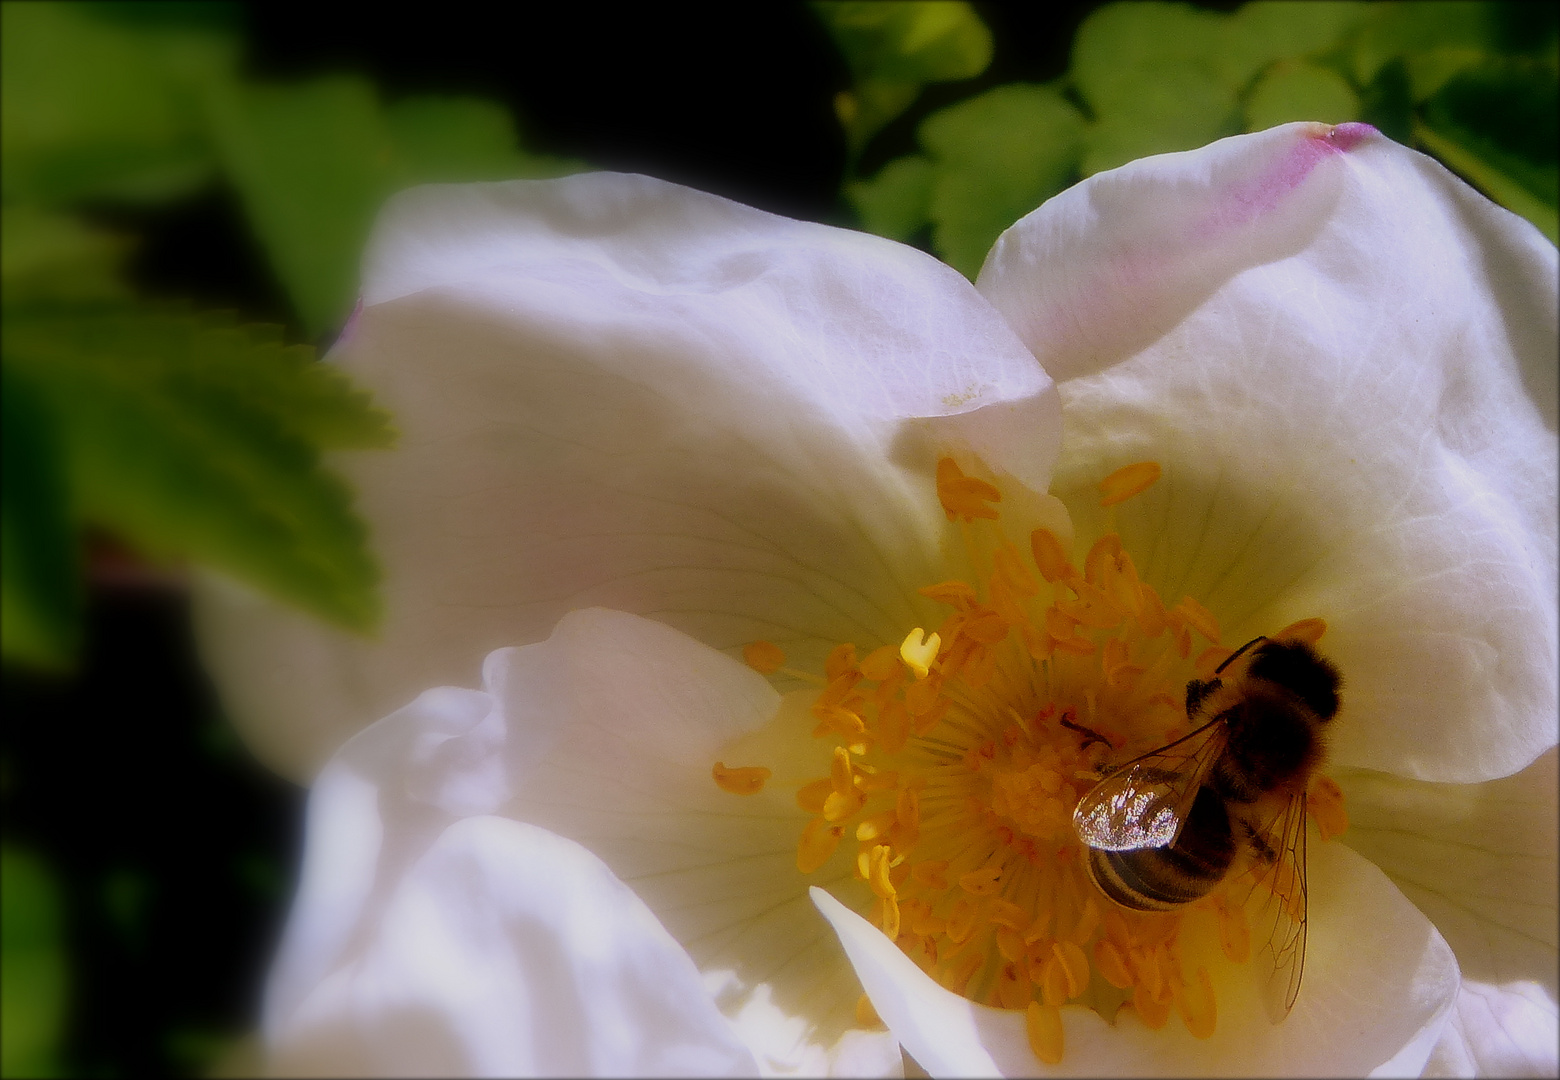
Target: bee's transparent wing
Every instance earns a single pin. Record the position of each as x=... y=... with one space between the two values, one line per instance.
x=1278 y=916
x=1145 y=802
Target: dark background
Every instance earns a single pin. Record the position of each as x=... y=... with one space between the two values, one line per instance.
x=176 y=852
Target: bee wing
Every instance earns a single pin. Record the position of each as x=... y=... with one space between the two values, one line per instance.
x=1145 y=802
x=1280 y=911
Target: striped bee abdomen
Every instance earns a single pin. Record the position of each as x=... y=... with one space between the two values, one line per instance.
x=1158 y=879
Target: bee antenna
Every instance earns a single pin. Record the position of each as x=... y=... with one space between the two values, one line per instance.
x=1237 y=653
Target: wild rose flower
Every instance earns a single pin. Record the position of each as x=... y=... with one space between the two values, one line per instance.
x=815 y=446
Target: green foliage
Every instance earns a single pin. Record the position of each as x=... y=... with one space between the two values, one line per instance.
x=314 y=160
x=185 y=434
x=33 y=967
x=895 y=49
x=996 y=157
x=1472 y=83
x=95 y=110
x=190 y=436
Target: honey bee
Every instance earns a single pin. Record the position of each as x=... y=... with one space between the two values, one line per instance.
x=1168 y=827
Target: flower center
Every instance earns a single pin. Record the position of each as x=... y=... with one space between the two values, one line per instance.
x=960 y=756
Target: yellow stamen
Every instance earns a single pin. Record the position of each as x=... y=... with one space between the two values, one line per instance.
x=960 y=755
x=1196 y=1004
x=964 y=497
x=880 y=663
x=1324 y=802
x=983 y=882
x=1309 y=631
x=1153 y=1012
x=1234 y=932
x=1200 y=618
x=764 y=657
x=1050 y=556
x=748 y=780
x=866 y=1015
x=1043 y=1025
x=1124 y=483
x=1111 y=965
x=811 y=796
x=918 y=650
x=841 y=659
x=818 y=843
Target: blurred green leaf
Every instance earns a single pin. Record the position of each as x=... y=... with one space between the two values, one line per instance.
x=1151 y=73
x=40 y=593
x=313 y=161
x=1267 y=31
x=1295 y=90
x=1387 y=103
x=92 y=109
x=1495 y=124
x=1419 y=27
x=33 y=967
x=189 y=436
x=895 y=48
x=1121 y=47
x=995 y=157
x=51 y=256
x=897 y=202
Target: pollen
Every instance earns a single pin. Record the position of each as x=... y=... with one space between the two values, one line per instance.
x=960 y=753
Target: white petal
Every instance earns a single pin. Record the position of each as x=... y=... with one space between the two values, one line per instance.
x=1339 y=391
x=616 y=391
x=650 y=711
x=605 y=734
x=1379 y=986
x=507 y=951
x=1108 y=266
x=1479 y=860
x=1499 y=1031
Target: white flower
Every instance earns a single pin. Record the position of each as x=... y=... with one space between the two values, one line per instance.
x=619 y=394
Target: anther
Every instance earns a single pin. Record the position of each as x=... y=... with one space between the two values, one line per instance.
x=919 y=650
x=764 y=657
x=964 y=497
x=1043 y=1026
x=819 y=841
x=1324 y=802
x=748 y=780
x=1124 y=483
x=1050 y=556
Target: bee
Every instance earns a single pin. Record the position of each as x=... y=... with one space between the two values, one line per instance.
x=1168 y=827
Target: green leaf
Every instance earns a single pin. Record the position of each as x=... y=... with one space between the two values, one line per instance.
x=191 y=437
x=1295 y=90
x=917 y=41
x=1269 y=31
x=313 y=162
x=40 y=592
x=1123 y=48
x=33 y=967
x=897 y=202
x=1154 y=77
x=995 y=158
x=93 y=109
x=1421 y=26
x=893 y=49
x=51 y=256
x=1495 y=125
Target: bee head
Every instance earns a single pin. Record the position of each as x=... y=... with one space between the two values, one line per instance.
x=1302 y=671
